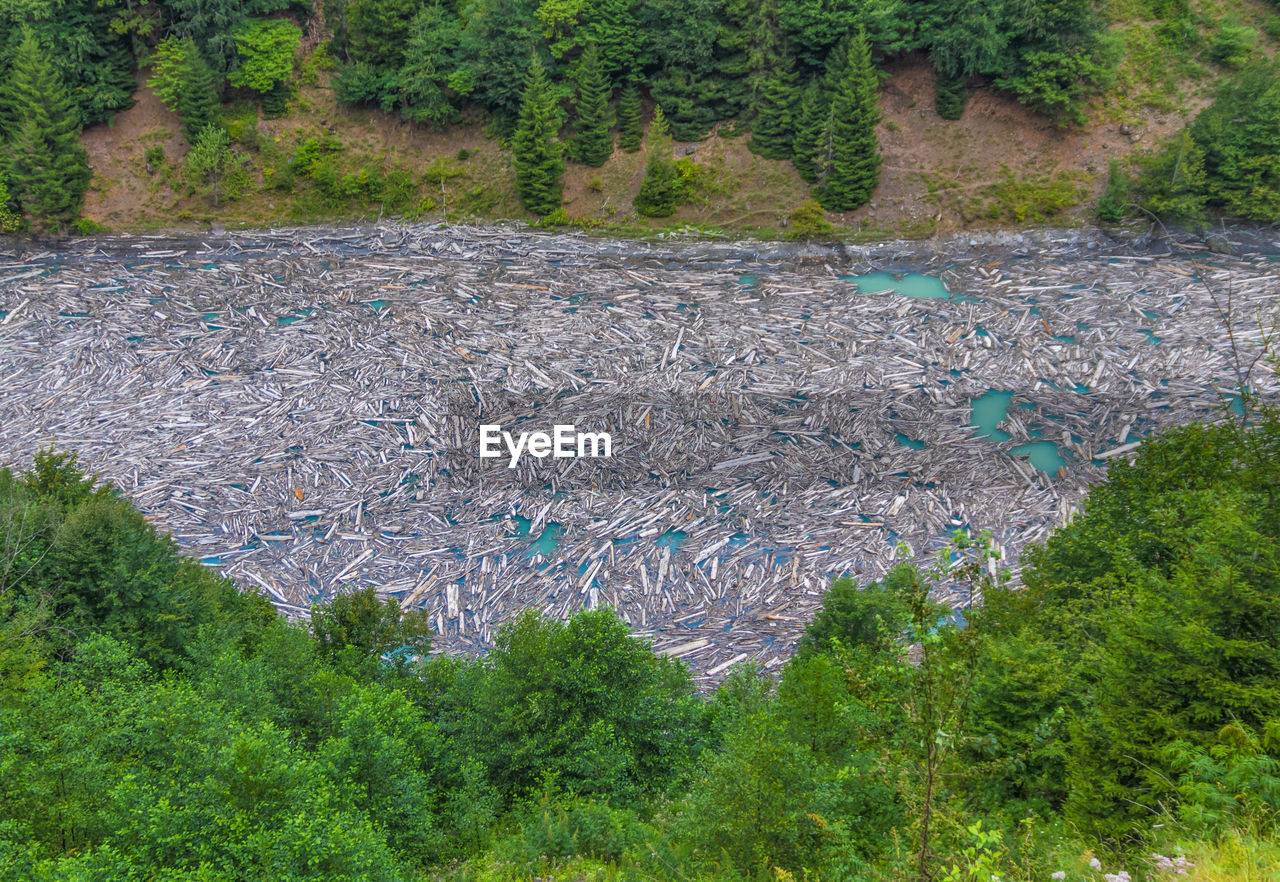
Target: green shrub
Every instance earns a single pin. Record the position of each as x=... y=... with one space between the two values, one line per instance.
x=558 y=217
x=463 y=155
x=808 y=221
x=86 y=227
x=154 y=158
x=949 y=95
x=1114 y=202
x=1233 y=44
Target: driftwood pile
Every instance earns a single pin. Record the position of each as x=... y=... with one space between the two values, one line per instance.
x=301 y=410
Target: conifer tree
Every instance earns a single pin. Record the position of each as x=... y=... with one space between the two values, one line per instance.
x=197 y=102
x=593 y=144
x=660 y=190
x=538 y=160
x=810 y=119
x=848 y=161
x=48 y=170
x=773 y=131
x=630 y=124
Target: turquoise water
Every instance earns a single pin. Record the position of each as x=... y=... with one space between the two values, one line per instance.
x=1151 y=337
x=988 y=411
x=1044 y=456
x=548 y=541
x=911 y=285
x=910 y=442
x=747 y=280
x=376 y=304
x=672 y=539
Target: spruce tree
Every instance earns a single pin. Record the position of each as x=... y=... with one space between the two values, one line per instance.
x=593 y=144
x=773 y=132
x=810 y=119
x=537 y=154
x=197 y=102
x=660 y=190
x=849 y=161
x=630 y=124
x=48 y=169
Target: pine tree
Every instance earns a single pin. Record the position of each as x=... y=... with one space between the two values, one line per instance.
x=660 y=190
x=848 y=164
x=197 y=100
x=630 y=124
x=537 y=154
x=593 y=144
x=48 y=170
x=773 y=132
x=812 y=116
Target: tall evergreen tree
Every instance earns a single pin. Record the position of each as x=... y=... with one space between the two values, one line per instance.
x=630 y=123
x=539 y=164
x=848 y=162
x=659 y=192
x=773 y=131
x=197 y=102
x=593 y=144
x=49 y=170
x=810 y=119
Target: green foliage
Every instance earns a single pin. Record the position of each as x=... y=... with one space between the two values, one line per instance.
x=949 y=95
x=1172 y=183
x=48 y=170
x=1233 y=44
x=536 y=147
x=661 y=190
x=853 y=617
x=630 y=123
x=185 y=83
x=266 y=48
x=593 y=141
x=197 y=98
x=847 y=157
x=1114 y=203
x=1239 y=135
x=370 y=627
x=94 y=62
x=583 y=701
x=808 y=221
x=212 y=24
x=212 y=168
x=773 y=129
x=376 y=30
x=9 y=219
x=1036 y=198
x=168 y=65
x=427 y=86
x=1152 y=619
x=813 y=114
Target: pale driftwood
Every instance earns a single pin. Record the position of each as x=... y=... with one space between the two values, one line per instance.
x=759 y=418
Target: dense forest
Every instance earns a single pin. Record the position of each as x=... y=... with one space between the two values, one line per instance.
x=1117 y=718
x=562 y=80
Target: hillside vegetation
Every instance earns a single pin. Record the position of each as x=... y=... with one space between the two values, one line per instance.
x=1116 y=719
x=777 y=123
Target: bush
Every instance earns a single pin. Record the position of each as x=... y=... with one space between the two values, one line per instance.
x=809 y=221
x=1114 y=202
x=86 y=227
x=154 y=158
x=949 y=95
x=1233 y=44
